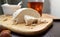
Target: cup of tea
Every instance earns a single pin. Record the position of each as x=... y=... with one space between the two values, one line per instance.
x=36 y=4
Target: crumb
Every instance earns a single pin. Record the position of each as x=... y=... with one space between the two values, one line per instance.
x=33 y=24
x=31 y=28
x=14 y=22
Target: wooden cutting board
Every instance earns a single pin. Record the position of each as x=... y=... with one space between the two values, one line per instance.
x=50 y=16
x=6 y=21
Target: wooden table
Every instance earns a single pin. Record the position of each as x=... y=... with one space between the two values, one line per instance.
x=53 y=31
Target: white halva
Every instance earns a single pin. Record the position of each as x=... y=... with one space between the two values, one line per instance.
x=19 y=14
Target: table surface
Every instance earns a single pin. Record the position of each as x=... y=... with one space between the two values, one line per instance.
x=53 y=31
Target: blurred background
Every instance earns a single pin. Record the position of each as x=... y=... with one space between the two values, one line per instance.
x=50 y=6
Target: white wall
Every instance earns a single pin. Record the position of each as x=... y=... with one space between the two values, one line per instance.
x=55 y=7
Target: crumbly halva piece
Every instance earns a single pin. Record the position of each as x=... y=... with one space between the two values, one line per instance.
x=41 y=20
x=30 y=20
